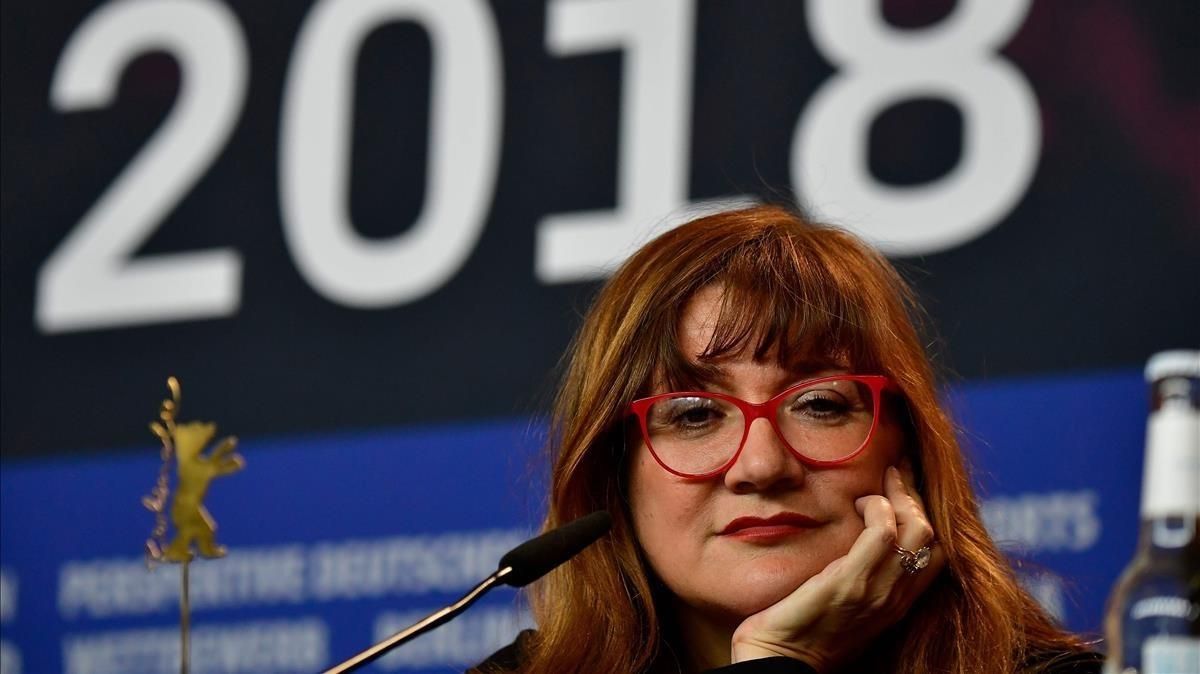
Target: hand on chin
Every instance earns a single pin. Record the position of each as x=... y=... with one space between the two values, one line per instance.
x=766 y=577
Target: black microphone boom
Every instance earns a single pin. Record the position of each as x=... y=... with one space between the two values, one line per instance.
x=518 y=567
x=536 y=557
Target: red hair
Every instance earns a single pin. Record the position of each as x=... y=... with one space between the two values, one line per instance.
x=791 y=287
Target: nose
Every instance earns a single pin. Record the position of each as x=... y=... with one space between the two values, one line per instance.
x=765 y=463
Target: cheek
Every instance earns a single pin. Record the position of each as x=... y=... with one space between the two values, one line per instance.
x=643 y=497
x=841 y=486
x=666 y=511
x=887 y=448
x=646 y=498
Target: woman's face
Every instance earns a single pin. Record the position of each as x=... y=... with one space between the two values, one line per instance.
x=679 y=522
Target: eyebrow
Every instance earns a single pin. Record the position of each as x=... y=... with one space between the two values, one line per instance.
x=708 y=374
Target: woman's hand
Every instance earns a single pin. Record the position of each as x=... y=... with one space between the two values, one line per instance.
x=834 y=614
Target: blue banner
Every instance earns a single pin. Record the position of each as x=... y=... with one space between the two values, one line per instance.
x=338 y=541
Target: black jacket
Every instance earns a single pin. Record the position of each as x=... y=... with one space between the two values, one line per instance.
x=508 y=659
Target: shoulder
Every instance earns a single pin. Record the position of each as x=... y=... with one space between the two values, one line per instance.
x=1069 y=662
x=1053 y=663
x=512 y=657
x=765 y=666
x=507 y=659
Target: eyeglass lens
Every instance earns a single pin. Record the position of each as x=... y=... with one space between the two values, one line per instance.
x=826 y=421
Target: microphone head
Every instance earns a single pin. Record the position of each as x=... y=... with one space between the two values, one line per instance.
x=536 y=557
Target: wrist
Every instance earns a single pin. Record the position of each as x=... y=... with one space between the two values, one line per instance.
x=744 y=652
x=741 y=650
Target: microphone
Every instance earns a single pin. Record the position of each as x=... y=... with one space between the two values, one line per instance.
x=536 y=557
x=518 y=567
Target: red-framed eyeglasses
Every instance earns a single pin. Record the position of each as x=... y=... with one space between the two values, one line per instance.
x=823 y=422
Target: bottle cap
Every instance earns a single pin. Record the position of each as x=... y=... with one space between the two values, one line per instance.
x=1175 y=363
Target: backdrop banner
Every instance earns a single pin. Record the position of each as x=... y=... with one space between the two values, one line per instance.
x=341 y=540
x=362 y=234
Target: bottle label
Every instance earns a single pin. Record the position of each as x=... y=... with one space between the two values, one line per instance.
x=1166 y=533
x=1172 y=472
x=1171 y=655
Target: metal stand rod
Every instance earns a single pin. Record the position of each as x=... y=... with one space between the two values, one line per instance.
x=185 y=622
x=375 y=652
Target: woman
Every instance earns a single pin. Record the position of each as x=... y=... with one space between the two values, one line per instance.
x=750 y=400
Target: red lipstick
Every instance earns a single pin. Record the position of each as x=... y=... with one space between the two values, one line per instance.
x=768 y=529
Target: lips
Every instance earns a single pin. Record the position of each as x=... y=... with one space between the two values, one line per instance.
x=775 y=524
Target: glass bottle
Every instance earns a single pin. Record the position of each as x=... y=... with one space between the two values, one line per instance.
x=1152 y=624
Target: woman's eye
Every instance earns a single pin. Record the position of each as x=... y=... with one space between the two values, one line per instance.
x=685 y=415
x=695 y=416
x=823 y=405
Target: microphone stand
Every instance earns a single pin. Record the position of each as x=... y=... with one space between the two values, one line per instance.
x=518 y=567
x=433 y=620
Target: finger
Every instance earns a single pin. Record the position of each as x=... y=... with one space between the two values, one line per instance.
x=916 y=583
x=908 y=473
x=907 y=587
x=805 y=604
x=913 y=527
x=878 y=538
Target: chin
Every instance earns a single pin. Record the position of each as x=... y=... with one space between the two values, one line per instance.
x=764 y=582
